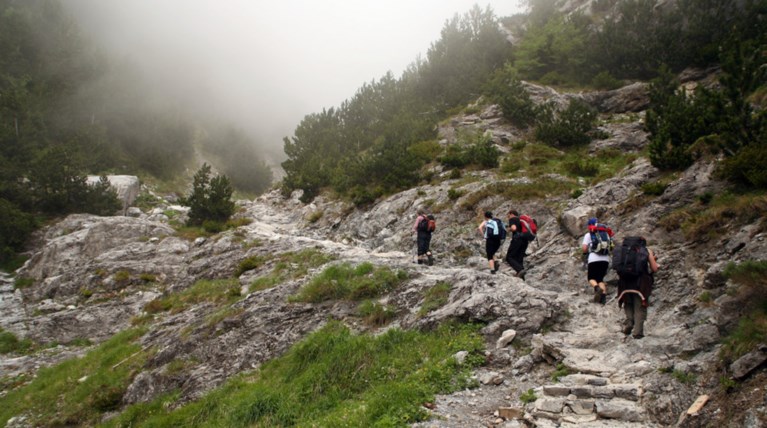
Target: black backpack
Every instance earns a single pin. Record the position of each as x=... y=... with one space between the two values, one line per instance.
x=631 y=258
x=501 y=229
x=423 y=224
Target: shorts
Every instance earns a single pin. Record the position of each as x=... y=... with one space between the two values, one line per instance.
x=492 y=246
x=598 y=270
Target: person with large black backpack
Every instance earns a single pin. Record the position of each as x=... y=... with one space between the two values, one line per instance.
x=635 y=265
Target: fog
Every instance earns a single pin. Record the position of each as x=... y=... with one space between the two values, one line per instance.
x=265 y=65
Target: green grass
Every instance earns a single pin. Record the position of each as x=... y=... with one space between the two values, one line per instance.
x=250 y=263
x=561 y=371
x=751 y=277
x=291 y=265
x=528 y=396
x=435 y=298
x=23 y=282
x=709 y=218
x=10 y=344
x=215 y=291
x=376 y=314
x=78 y=392
x=684 y=377
x=346 y=282
x=333 y=378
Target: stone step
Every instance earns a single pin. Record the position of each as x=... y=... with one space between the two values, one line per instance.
x=587 y=411
x=627 y=391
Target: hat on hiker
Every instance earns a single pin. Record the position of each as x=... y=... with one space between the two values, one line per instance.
x=592 y=221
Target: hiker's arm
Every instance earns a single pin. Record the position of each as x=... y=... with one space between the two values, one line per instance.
x=585 y=245
x=654 y=266
x=482 y=228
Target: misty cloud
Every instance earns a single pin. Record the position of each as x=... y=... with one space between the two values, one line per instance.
x=265 y=65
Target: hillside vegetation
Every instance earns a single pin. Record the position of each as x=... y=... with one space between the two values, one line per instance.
x=378 y=142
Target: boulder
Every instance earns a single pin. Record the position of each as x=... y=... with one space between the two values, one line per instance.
x=126 y=186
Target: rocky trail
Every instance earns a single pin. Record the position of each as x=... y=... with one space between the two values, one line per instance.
x=547 y=341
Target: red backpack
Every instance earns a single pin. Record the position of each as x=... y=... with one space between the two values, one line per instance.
x=529 y=226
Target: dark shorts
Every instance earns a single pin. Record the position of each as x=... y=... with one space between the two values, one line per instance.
x=424 y=240
x=598 y=270
x=492 y=246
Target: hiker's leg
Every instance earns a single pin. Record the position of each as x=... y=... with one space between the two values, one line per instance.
x=628 y=310
x=640 y=315
x=513 y=256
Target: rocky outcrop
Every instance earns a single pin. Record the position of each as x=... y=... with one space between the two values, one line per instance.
x=127 y=188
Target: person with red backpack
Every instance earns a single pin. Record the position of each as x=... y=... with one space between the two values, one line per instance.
x=522 y=233
x=424 y=227
x=597 y=243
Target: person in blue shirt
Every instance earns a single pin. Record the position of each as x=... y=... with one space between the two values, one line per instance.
x=490 y=230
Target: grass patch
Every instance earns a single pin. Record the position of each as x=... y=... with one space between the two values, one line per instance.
x=435 y=298
x=291 y=265
x=315 y=216
x=250 y=263
x=684 y=377
x=334 y=378
x=10 y=344
x=205 y=290
x=376 y=314
x=78 y=392
x=22 y=282
x=528 y=396
x=751 y=276
x=708 y=220
x=346 y=282
x=561 y=371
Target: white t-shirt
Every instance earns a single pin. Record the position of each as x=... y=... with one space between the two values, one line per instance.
x=594 y=257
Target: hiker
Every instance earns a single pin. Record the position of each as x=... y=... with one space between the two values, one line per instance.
x=490 y=229
x=515 y=256
x=598 y=257
x=635 y=265
x=423 y=237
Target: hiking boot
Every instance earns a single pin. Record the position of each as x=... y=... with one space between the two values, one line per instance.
x=597 y=295
x=627 y=329
x=521 y=274
x=492 y=271
x=430 y=260
x=638 y=336
x=603 y=298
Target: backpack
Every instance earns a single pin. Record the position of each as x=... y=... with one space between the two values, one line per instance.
x=631 y=258
x=423 y=224
x=432 y=224
x=529 y=227
x=601 y=239
x=501 y=229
